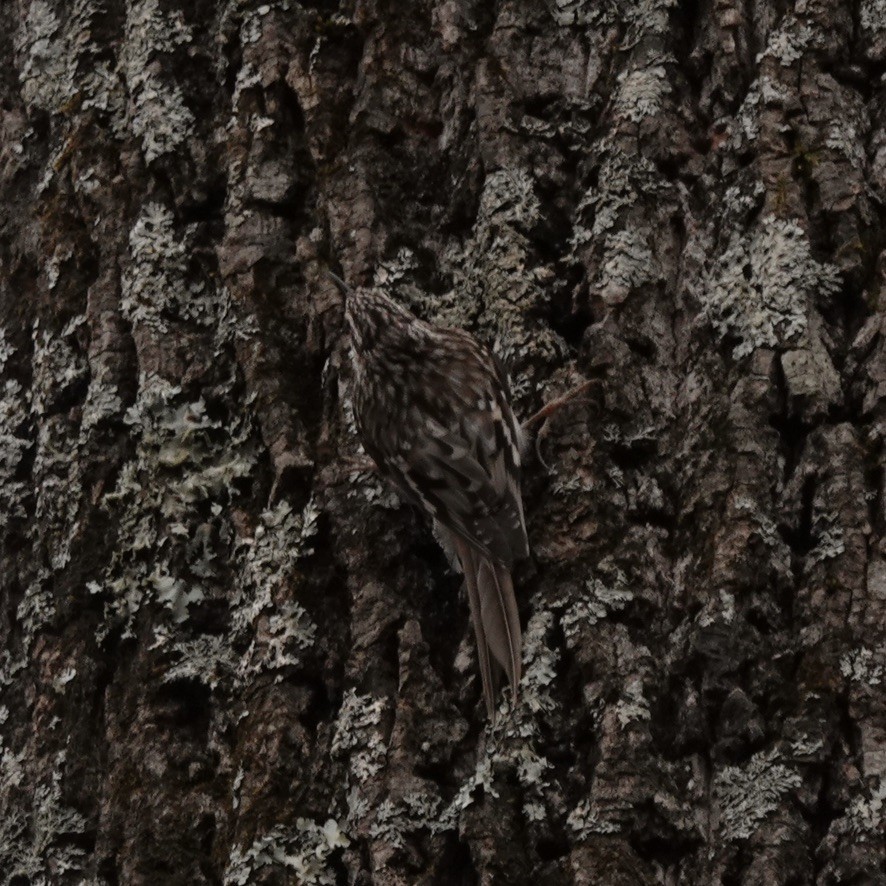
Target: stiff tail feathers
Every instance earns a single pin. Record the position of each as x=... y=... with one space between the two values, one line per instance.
x=469 y=568
x=501 y=620
x=495 y=618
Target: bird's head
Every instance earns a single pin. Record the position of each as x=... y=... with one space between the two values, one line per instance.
x=371 y=316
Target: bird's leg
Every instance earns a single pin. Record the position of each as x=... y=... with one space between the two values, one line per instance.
x=556 y=405
x=359 y=464
x=548 y=410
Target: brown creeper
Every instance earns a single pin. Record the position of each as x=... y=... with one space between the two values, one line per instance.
x=432 y=408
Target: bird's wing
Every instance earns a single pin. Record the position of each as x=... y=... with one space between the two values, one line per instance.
x=458 y=456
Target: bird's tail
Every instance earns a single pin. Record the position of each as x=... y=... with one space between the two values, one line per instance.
x=495 y=617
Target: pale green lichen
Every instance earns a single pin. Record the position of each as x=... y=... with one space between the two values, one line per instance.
x=169 y=505
x=236 y=784
x=844 y=137
x=153 y=283
x=61 y=680
x=788 y=42
x=497 y=272
x=829 y=538
x=269 y=559
x=872 y=16
x=740 y=201
x=159 y=115
x=745 y=128
x=745 y=795
x=719 y=608
x=641 y=93
x=49 y=68
x=603 y=595
x=513 y=740
x=641 y=16
x=393 y=820
x=6 y=350
x=760 y=289
x=183 y=457
x=586 y=819
x=15 y=442
x=359 y=736
x=624 y=180
x=36 y=609
x=765 y=528
x=58 y=366
x=575 y=484
x=180 y=462
x=62 y=65
x=865 y=666
x=9 y=667
x=866 y=815
x=605 y=215
x=632 y=706
x=156 y=286
x=573 y=12
x=37 y=845
x=628 y=264
x=359 y=740
x=301 y=853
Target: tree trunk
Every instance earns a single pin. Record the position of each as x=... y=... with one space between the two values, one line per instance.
x=229 y=655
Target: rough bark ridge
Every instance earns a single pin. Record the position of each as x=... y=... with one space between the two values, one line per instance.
x=225 y=658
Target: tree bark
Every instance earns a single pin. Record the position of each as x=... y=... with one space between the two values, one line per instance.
x=230 y=656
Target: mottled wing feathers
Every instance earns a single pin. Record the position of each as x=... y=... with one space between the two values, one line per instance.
x=457 y=452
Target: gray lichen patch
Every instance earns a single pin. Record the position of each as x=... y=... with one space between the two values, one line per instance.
x=872 y=15
x=829 y=538
x=39 y=845
x=789 y=41
x=746 y=795
x=765 y=92
x=628 y=263
x=14 y=444
x=644 y=17
x=393 y=820
x=604 y=594
x=300 y=853
x=208 y=659
x=359 y=735
x=46 y=79
x=159 y=116
x=865 y=666
x=611 y=236
x=866 y=816
x=50 y=61
x=761 y=287
x=36 y=609
x=632 y=706
x=62 y=63
x=513 y=742
x=586 y=819
x=641 y=92
x=154 y=285
x=181 y=461
x=624 y=180
x=58 y=366
x=497 y=269
x=281 y=628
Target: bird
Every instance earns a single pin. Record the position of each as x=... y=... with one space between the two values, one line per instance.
x=433 y=410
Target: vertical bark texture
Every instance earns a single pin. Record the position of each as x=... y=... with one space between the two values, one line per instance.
x=229 y=658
